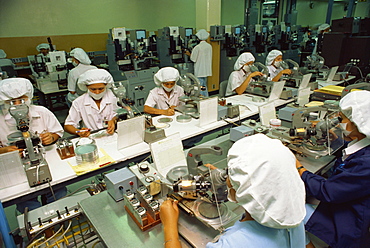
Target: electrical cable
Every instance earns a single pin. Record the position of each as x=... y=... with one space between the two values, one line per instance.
x=25 y=222
x=52 y=191
x=74 y=192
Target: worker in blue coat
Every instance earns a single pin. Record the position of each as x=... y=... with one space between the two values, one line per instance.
x=342 y=218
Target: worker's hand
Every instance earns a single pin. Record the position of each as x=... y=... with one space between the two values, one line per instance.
x=170 y=111
x=256 y=73
x=83 y=132
x=169 y=213
x=286 y=71
x=187 y=53
x=211 y=166
x=299 y=165
x=47 y=138
x=9 y=149
x=111 y=126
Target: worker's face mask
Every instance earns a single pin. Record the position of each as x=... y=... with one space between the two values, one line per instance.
x=167 y=89
x=246 y=68
x=96 y=96
x=277 y=64
x=343 y=127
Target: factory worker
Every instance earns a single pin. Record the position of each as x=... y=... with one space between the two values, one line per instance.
x=96 y=108
x=242 y=75
x=43 y=50
x=201 y=55
x=342 y=219
x=82 y=62
x=322 y=29
x=163 y=99
x=41 y=120
x=269 y=189
x=5 y=63
x=273 y=63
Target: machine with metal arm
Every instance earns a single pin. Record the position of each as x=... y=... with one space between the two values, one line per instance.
x=261 y=85
x=34 y=163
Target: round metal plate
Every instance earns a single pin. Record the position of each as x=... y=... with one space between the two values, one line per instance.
x=190 y=110
x=210 y=211
x=175 y=173
x=164 y=120
x=183 y=118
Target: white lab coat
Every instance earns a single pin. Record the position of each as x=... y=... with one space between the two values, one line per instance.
x=273 y=71
x=157 y=98
x=75 y=73
x=236 y=79
x=40 y=119
x=85 y=109
x=202 y=57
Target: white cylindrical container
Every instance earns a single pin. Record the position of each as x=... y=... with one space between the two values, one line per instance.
x=274 y=123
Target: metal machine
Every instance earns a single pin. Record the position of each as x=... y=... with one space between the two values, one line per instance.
x=314 y=132
x=132 y=60
x=192 y=89
x=315 y=64
x=260 y=86
x=34 y=163
x=50 y=73
x=171 y=45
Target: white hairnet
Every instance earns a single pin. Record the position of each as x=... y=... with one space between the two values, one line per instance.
x=272 y=55
x=42 y=46
x=94 y=76
x=323 y=27
x=356 y=107
x=80 y=55
x=166 y=74
x=202 y=34
x=2 y=54
x=242 y=60
x=263 y=173
x=11 y=88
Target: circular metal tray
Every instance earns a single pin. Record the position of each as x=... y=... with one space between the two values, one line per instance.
x=183 y=118
x=175 y=173
x=165 y=120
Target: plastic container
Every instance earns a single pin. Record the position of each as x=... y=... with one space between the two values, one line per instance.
x=86 y=151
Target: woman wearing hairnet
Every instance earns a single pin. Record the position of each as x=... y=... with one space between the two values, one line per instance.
x=82 y=62
x=269 y=189
x=201 y=55
x=163 y=99
x=43 y=50
x=342 y=219
x=41 y=120
x=242 y=75
x=273 y=63
x=96 y=108
x=322 y=29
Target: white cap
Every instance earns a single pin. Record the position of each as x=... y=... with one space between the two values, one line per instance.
x=2 y=54
x=323 y=27
x=94 y=76
x=80 y=55
x=242 y=60
x=42 y=46
x=263 y=173
x=356 y=107
x=166 y=74
x=271 y=56
x=202 y=34
x=11 y=88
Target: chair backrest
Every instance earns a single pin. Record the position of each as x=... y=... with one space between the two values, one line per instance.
x=223 y=86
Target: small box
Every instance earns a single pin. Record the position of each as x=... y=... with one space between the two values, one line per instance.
x=237 y=133
x=119 y=182
x=222 y=112
x=287 y=113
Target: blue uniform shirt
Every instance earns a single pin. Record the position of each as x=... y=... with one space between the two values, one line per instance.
x=342 y=218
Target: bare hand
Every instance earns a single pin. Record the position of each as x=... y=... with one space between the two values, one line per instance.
x=169 y=112
x=47 y=138
x=9 y=149
x=169 y=213
x=84 y=133
x=111 y=126
x=187 y=53
x=211 y=166
x=256 y=73
x=286 y=71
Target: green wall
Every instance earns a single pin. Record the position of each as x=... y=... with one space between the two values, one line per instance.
x=21 y=18
x=232 y=12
